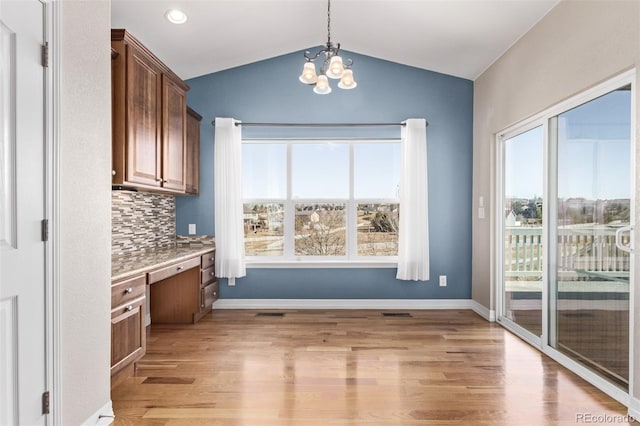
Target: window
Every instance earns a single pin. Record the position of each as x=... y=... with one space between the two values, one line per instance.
x=319 y=201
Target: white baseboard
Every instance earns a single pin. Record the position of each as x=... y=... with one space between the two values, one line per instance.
x=634 y=408
x=103 y=417
x=343 y=304
x=483 y=311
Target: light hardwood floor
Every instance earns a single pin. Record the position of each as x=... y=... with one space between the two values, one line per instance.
x=348 y=367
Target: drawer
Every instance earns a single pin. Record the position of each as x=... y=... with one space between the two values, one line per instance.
x=128 y=290
x=128 y=309
x=207 y=275
x=208 y=259
x=210 y=294
x=172 y=270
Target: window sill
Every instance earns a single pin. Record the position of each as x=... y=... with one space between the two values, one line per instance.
x=324 y=264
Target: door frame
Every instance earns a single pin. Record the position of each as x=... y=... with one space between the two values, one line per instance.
x=550 y=182
x=52 y=208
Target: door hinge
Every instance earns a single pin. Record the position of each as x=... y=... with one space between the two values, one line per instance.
x=46 y=403
x=45 y=54
x=45 y=229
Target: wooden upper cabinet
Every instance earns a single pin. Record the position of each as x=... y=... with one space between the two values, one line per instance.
x=149 y=119
x=174 y=135
x=143 y=147
x=192 y=175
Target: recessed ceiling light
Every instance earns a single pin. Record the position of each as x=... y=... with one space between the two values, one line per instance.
x=176 y=16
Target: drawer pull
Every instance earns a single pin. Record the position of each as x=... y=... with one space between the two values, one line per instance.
x=212 y=259
x=128 y=290
x=215 y=294
x=179 y=268
x=129 y=308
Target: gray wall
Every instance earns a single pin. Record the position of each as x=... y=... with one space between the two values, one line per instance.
x=269 y=91
x=85 y=208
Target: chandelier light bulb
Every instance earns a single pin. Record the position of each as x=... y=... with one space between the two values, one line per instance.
x=309 y=75
x=347 y=81
x=336 y=68
x=322 y=86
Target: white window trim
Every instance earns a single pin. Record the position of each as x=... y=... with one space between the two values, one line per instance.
x=289 y=259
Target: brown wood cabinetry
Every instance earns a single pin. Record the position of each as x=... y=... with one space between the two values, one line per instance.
x=192 y=172
x=209 y=289
x=148 y=119
x=128 y=338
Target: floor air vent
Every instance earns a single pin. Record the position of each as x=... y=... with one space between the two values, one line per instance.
x=578 y=315
x=270 y=314
x=396 y=314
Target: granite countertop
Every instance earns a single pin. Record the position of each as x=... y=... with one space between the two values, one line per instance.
x=128 y=265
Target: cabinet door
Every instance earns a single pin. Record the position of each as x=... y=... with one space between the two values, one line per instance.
x=128 y=338
x=143 y=120
x=174 y=111
x=192 y=173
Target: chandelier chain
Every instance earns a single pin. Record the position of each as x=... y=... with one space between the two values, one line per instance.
x=329 y=22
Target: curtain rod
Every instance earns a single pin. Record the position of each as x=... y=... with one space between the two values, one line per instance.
x=239 y=123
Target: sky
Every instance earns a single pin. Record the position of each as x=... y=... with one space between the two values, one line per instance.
x=321 y=170
x=594 y=157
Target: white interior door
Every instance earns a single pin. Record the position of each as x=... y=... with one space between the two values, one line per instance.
x=22 y=208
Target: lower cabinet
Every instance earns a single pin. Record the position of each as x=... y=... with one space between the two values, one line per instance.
x=128 y=337
x=209 y=290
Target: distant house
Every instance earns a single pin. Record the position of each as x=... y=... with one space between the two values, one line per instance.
x=510 y=220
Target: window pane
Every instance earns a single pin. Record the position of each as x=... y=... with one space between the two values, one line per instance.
x=522 y=229
x=320 y=171
x=590 y=321
x=378 y=229
x=264 y=229
x=377 y=170
x=264 y=171
x=320 y=230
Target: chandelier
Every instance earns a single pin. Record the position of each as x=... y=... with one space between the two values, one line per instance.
x=331 y=65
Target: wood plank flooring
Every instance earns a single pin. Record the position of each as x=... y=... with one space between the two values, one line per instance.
x=348 y=367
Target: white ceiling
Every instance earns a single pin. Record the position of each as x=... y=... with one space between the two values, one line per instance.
x=456 y=37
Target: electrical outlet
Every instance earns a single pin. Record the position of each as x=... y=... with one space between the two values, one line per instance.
x=443 y=280
x=192 y=229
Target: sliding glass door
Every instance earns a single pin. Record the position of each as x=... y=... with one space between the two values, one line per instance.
x=565 y=186
x=590 y=282
x=522 y=259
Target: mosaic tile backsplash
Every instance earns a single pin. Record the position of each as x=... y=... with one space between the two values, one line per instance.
x=141 y=221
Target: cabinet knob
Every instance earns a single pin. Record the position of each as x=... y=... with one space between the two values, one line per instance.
x=215 y=294
x=158 y=180
x=180 y=268
x=128 y=290
x=113 y=172
x=128 y=308
x=165 y=181
x=212 y=273
x=212 y=259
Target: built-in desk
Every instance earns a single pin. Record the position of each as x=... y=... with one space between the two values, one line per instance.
x=175 y=285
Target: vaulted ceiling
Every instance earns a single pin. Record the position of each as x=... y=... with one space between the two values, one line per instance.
x=456 y=37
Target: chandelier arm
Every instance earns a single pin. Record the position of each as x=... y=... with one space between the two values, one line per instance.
x=347 y=63
x=309 y=58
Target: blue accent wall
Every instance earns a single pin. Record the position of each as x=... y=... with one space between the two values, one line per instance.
x=269 y=91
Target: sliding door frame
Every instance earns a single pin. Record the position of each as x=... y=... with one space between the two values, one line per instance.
x=549 y=232
x=501 y=317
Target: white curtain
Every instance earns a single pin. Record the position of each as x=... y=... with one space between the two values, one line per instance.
x=227 y=151
x=413 y=238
